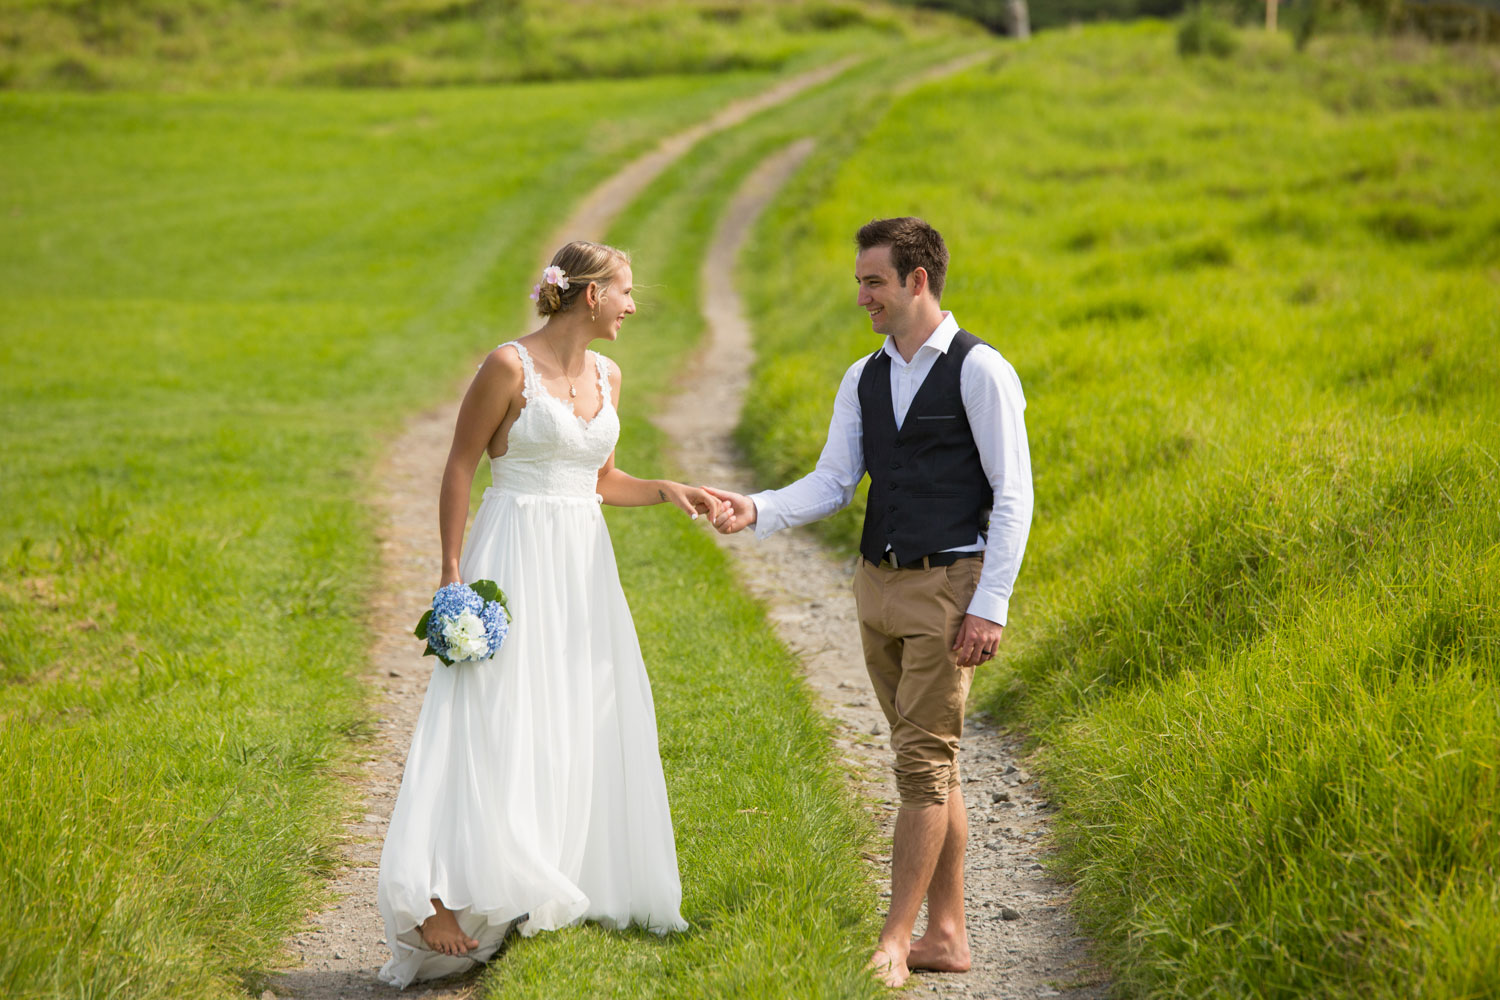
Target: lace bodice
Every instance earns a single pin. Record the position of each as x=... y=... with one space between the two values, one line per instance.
x=551 y=451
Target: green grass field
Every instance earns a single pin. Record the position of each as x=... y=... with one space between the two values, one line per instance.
x=93 y=45
x=1255 y=304
x=216 y=308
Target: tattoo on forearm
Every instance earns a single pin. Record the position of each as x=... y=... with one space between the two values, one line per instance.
x=662 y=494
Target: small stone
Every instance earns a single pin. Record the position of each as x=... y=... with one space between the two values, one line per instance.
x=875 y=729
x=393 y=673
x=338 y=956
x=999 y=796
x=1009 y=913
x=1037 y=868
x=1010 y=769
x=268 y=995
x=995 y=845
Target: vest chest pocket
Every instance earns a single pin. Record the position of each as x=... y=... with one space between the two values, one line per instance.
x=938 y=416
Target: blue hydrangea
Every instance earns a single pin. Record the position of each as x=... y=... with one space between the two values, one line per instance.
x=454 y=599
x=496 y=625
x=447 y=604
x=464 y=625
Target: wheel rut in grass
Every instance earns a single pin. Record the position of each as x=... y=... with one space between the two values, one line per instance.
x=1022 y=936
x=339 y=954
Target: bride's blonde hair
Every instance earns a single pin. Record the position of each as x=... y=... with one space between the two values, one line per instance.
x=581 y=262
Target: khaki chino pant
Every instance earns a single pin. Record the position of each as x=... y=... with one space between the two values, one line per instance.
x=908 y=622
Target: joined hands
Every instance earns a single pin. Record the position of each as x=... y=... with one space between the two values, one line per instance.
x=736 y=511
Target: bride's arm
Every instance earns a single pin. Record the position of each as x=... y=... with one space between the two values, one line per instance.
x=620 y=489
x=484 y=409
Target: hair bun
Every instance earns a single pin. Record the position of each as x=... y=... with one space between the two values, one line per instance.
x=548 y=299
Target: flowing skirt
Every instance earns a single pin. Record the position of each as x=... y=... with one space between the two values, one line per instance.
x=533 y=790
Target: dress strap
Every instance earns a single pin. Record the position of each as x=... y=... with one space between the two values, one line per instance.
x=602 y=363
x=530 y=384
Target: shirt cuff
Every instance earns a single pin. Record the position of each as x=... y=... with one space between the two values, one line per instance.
x=765 y=519
x=990 y=607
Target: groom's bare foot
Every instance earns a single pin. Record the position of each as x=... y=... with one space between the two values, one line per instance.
x=441 y=932
x=932 y=953
x=888 y=968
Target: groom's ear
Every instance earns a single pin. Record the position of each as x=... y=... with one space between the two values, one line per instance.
x=919 y=282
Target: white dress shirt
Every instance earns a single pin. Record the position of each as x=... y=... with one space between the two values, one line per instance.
x=994 y=404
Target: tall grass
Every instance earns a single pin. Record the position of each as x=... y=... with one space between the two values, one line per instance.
x=95 y=45
x=1254 y=304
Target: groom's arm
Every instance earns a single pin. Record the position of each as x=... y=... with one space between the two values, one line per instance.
x=824 y=491
x=996 y=409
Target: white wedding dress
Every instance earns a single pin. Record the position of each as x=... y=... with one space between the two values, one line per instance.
x=533 y=789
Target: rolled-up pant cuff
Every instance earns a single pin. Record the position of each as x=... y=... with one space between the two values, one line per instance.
x=928 y=784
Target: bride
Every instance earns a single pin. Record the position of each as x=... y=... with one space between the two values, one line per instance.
x=533 y=792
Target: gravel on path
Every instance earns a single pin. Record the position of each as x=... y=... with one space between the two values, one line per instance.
x=1023 y=938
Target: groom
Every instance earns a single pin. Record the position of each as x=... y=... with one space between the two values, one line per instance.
x=935 y=418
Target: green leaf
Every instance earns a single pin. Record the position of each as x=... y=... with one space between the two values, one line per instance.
x=485 y=589
x=421 y=632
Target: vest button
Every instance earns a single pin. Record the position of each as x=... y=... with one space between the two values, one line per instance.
x=891 y=508
x=895 y=465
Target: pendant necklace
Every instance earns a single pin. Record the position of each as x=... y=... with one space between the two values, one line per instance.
x=572 y=389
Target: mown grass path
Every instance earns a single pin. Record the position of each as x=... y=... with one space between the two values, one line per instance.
x=1023 y=938
x=344 y=949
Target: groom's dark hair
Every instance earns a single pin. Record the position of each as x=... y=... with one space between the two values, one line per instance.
x=913 y=244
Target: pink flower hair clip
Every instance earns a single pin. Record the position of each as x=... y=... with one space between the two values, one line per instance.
x=552 y=275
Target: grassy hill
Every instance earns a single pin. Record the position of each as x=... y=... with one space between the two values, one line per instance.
x=195 y=44
x=1255 y=305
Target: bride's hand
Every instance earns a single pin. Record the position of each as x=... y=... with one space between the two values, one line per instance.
x=693 y=500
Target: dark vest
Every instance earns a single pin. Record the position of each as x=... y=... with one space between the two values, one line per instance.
x=928 y=490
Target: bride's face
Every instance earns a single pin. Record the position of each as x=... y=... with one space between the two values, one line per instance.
x=616 y=302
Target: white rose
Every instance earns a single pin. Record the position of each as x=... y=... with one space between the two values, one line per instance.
x=466 y=637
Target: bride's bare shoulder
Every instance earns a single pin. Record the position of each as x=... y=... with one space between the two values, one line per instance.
x=502 y=364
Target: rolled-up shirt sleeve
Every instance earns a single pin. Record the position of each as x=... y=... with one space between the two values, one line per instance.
x=830 y=486
x=996 y=409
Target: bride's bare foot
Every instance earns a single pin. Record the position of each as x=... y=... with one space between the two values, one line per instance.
x=935 y=954
x=888 y=968
x=441 y=932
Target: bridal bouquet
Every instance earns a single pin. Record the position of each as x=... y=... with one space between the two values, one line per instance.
x=467 y=622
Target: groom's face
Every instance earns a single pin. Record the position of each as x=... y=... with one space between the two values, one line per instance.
x=881 y=294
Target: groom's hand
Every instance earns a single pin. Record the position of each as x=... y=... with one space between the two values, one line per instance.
x=737 y=511
x=977 y=640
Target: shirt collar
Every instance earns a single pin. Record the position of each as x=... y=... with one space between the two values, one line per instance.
x=939 y=340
